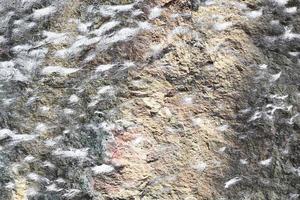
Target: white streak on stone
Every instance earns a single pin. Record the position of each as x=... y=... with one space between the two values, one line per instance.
x=44 y=12
x=266 y=162
x=291 y=10
x=255 y=116
x=295 y=54
x=72 y=153
x=56 y=38
x=232 y=182
x=275 y=77
x=263 y=66
x=288 y=35
x=102 y=169
x=6 y=133
x=60 y=70
x=53 y=188
x=103 y=68
x=105 y=27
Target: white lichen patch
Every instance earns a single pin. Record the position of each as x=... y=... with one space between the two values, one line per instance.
x=6 y=133
x=56 y=38
x=289 y=35
x=275 y=77
x=254 y=14
x=44 y=12
x=291 y=10
x=266 y=162
x=41 y=128
x=73 y=98
x=103 y=68
x=103 y=169
x=232 y=182
x=155 y=13
x=244 y=161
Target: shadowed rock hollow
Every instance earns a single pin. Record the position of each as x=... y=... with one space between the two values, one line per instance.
x=166 y=99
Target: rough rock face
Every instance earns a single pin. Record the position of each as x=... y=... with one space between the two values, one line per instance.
x=162 y=99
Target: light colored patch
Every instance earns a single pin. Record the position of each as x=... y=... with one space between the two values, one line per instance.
x=103 y=68
x=188 y=100
x=56 y=38
x=266 y=162
x=280 y=2
x=199 y=166
x=222 y=26
x=275 y=77
x=291 y=10
x=254 y=14
x=44 y=12
x=109 y=10
x=295 y=54
x=5 y=133
x=223 y=128
x=59 y=70
x=73 y=98
x=232 y=182
x=155 y=13
x=105 y=27
x=71 y=193
x=255 y=116
x=41 y=128
x=288 y=35
x=72 y=153
x=103 y=169
x=53 y=188
x=244 y=161
x=29 y=159
x=105 y=90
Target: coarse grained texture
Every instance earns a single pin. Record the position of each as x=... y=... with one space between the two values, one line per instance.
x=164 y=99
